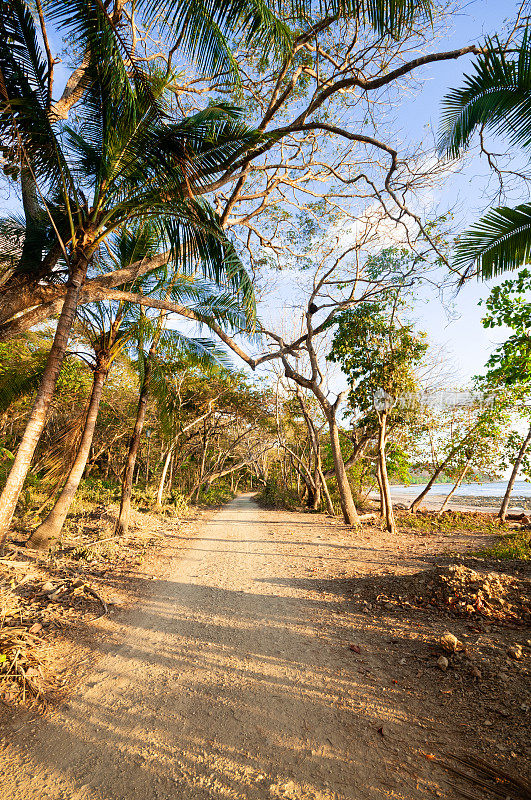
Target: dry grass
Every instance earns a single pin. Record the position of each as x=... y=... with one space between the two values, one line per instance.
x=23 y=674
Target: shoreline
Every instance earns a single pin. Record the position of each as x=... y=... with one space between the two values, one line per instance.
x=433 y=501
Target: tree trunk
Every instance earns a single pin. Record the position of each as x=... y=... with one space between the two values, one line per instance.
x=147 y=458
x=39 y=412
x=383 y=501
x=386 y=491
x=350 y=515
x=51 y=527
x=507 y=496
x=311 y=495
x=170 y=479
x=329 y=504
x=317 y=491
x=417 y=501
x=455 y=486
x=162 y=481
x=124 y=515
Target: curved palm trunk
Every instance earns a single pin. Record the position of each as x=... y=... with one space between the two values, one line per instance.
x=51 y=527
x=350 y=515
x=124 y=515
x=507 y=496
x=39 y=412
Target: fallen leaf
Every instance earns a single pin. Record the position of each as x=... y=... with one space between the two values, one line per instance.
x=35 y=628
x=355 y=648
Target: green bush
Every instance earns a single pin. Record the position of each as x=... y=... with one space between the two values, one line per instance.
x=276 y=495
x=216 y=495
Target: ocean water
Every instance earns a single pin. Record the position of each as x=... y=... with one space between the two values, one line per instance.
x=493 y=489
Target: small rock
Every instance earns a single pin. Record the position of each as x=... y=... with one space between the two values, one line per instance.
x=487 y=722
x=450 y=642
x=442 y=663
x=515 y=651
x=48 y=587
x=403 y=661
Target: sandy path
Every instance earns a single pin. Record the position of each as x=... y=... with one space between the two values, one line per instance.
x=234 y=680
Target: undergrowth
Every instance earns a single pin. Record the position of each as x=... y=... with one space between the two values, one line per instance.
x=514 y=544
x=447 y=523
x=276 y=495
x=215 y=496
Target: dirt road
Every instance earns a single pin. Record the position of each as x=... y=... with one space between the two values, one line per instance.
x=235 y=680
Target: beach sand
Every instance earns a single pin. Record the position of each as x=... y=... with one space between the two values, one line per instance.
x=433 y=501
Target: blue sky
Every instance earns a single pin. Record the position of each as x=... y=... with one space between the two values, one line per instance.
x=453 y=323
x=468 y=343
x=456 y=324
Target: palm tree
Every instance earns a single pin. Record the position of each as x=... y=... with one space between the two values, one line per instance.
x=496 y=97
x=125 y=160
x=157 y=348
x=106 y=344
x=111 y=328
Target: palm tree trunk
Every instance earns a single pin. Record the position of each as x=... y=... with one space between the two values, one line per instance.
x=51 y=527
x=507 y=496
x=39 y=412
x=350 y=515
x=455 y=486
x=386 y=491
x=124 y=515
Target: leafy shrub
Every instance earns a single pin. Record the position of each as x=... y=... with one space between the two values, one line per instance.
x=215 y=495
x=98 y=490
x=275 y=494
x=180 y=503
x=431 y=522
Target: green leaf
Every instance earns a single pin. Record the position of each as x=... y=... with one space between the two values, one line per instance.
x=497 y=95
x=500 y=241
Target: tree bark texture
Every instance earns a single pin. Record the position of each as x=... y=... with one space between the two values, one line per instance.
x=507 y=496
x=39 y=412
x=124 y=515
x=350 y=515
x=51 y=527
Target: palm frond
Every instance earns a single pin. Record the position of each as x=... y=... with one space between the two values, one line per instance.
x=203 y=27
x=27 y=132
x=496 y=95
x=500 y=241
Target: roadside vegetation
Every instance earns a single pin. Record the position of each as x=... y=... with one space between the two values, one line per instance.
x=162 y=178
